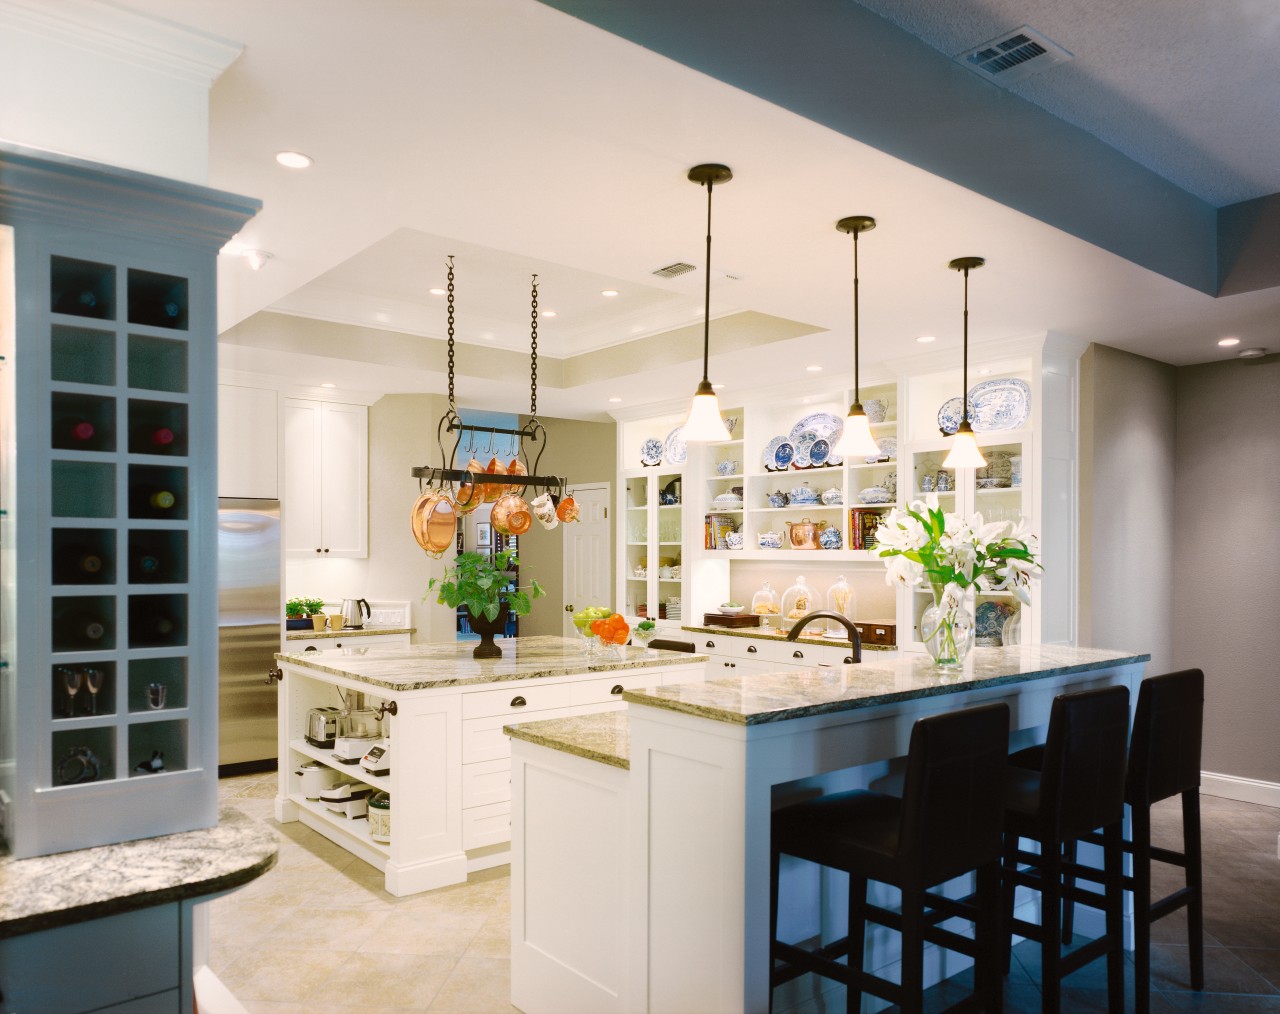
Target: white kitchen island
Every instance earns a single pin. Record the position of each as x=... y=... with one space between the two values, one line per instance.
x=640 y=868
x=450 y=770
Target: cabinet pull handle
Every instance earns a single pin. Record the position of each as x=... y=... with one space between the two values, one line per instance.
x=797 y=654
x=733 y=665
x=725 y=664
x=617 y=689
x=310 y=647
x=518 y=702
x=326 y=549
x=848 y=660
x=751 y=649
x=274 y=674
x=317 y=549
x=711 y=644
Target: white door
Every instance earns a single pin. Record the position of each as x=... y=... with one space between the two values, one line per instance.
x=587 y=554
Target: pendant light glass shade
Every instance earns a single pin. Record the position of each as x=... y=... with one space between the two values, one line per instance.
x=964 y=448
x=856 y=441
x=704 y=422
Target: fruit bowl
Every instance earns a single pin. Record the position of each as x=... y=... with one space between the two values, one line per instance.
x=732 y=608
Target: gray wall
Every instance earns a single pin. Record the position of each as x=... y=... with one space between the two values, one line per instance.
x=583 y=452
x=1127 y=540
x=1226 y=603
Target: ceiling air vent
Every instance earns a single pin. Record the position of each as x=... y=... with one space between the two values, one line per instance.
x=674 y=270
x=1014 y=56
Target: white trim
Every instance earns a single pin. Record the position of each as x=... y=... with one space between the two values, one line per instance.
x=1247 y=790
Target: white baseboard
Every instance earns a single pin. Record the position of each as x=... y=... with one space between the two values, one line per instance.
x=1247 y=790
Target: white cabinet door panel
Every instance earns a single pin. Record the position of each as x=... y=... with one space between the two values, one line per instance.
x=248 y=431
x=326 y=479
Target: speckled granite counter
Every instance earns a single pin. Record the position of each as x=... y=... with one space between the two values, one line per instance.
x=316 y=635
x=603 y=737
x=776 y=697
x=428 y=666
x=71 y=887
x=773 y=634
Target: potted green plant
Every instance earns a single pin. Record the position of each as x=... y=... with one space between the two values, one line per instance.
x=296 y=616
x=483 y=586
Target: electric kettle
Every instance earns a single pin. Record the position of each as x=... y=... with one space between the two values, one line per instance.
x=352 y=617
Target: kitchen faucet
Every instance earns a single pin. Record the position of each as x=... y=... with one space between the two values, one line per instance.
x=827 y=614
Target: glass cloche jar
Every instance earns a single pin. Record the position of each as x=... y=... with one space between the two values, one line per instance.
x=764 y=604
x=841 y=599
x=797 y=601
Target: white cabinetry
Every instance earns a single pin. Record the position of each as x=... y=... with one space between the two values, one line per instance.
x=248 y=442
x=326 y=478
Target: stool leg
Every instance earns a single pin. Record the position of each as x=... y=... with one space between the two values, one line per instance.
x=1051 y=926
x=912 y=951
x=1141 y=908
x=857 y=940
x=1009 y=888
x=1069 y=852
x=775 y=862
x=1195 y=881
x=1113 y=837
x=987 y=981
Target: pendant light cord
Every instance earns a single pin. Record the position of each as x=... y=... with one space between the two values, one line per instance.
x=706 y=300
x=533 y=353
x=452 y=407
x=857 y=398
x=964 y=390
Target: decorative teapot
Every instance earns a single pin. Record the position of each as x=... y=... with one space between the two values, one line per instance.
x=778 y=498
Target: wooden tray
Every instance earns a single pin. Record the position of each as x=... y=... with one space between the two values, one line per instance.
x=725 y=620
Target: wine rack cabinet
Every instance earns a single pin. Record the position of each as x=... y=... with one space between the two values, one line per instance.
x=108 y=620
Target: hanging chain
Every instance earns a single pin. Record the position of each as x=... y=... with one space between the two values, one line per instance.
x=533 y=354
x=452 y=407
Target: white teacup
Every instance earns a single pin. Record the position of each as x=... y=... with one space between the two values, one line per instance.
x=544 y=509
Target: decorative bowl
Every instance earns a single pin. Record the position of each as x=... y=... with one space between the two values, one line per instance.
x=833 y=497
x=875 y=494
x=770 y=540
x=731 y=608
x=728 y=500
x=990 y=483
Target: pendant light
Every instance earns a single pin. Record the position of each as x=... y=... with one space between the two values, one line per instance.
x=856 y=441
x=704 y=422
x=964 y=452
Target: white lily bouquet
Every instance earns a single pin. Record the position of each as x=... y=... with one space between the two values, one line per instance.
x=955 y=555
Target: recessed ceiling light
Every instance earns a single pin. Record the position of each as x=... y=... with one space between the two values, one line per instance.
x=815 y=368
x=294 y=159
x=436 y=292
x=1251 y=353
x=257 y=258
x=610 y=293
x=328 y=385
x=924 y=338
x=547 y=313
x=1226 y=343
x=615 y=399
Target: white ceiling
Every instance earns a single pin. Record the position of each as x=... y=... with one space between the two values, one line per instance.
x=522 y=140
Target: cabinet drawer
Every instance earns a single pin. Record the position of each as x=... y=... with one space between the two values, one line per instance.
x=486 y=782
x=515 y=699
x=360 y=641
x=601 y=691
x=483 y=739
x=486 y=825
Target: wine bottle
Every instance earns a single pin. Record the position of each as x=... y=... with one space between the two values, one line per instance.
x=82 y=431
x=161 y=499
x=78 y=630
x=79 y=564
x=152 y=439
x=153 y=628
x=147 y=567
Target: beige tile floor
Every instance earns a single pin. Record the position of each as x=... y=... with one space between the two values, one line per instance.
x=317 y=934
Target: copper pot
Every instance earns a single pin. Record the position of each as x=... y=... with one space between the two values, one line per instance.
x=470 y=495
x=511 y=515
x=516 y=467
x=804 y=534
x=433 y=521
x=493 y=490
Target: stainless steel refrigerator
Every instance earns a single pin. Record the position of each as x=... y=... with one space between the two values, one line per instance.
x=249 y=609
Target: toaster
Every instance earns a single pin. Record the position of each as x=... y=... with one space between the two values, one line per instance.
x=322 y=727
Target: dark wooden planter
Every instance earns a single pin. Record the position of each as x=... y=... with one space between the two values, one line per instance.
x=487 y=629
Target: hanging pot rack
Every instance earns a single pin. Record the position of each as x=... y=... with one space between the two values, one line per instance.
x=531 y=433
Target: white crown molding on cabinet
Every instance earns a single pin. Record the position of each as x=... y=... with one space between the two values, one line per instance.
x=125 y=35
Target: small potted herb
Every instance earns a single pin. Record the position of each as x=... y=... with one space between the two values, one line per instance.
x=483 y=586
x=300 y=613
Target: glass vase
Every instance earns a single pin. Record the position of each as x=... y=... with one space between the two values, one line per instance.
x=947 y=627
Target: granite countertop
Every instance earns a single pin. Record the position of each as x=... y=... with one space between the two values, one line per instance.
x=71 y=887
x=365 y=631
x=449 y=664
x=773 y=634
x=604 y=736
x=797 y=693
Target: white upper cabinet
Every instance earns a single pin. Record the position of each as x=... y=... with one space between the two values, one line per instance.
x=326 y=479
x=248 y=446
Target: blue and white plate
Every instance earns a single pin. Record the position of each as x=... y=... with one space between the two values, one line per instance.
x=651 y=452
x=783 y=456
x=888 y=449
x=989 y=619
x=676 y=451
x=819 y=452
x=802 y=444
x=949 y=415
x=770 y=449
x=1000 y=404
x=824 y=425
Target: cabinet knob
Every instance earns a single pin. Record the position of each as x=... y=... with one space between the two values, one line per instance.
x=326 y=549
x=751 y=649
x=569 y=608
x=725 y=664
x=617 y=689
x=848 y=660
x=317 y=549
x=518 y=702
x=797 y=654
x=337 y=644
x=274 y=675
x=733 y=665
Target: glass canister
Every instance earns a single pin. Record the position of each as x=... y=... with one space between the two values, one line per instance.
x=764 y=604
x=841 y=599
x=380 y=817
x=797 y=601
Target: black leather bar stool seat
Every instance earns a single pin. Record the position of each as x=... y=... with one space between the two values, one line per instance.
x=946 y=824
x=670 y=645
x=1079 y=787
x=1164 y=761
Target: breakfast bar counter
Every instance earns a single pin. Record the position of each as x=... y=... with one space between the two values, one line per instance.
x=644 y=887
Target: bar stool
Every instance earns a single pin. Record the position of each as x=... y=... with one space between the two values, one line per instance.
x=668 y=645
x=946 y=824
x=1164 y=761
x=1079 y=787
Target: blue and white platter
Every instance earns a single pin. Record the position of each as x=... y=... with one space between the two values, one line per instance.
x=778 y=454
x=888 y=449
x=677 y=453
x=824 y=425
x=802 y=444
x=989 y=621
x=1000 y=404
x=651 y=452
x=819 y=452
